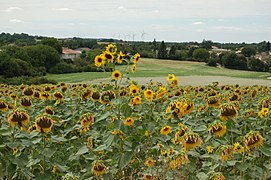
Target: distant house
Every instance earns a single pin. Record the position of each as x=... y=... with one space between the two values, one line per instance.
x=83 y=49
x=70 y=54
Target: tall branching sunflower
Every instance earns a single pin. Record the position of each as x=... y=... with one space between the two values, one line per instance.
x=19 y=117
x=44 y=124
x=98 y=168
x=253 y=140
x=116 y=75
x=136 y=101
x=191 y=140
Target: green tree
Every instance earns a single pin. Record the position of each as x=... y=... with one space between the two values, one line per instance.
x=233 y=61
x=255 y=64
x=172 y=52
x=201 y=54
x=162 y=52
x=54 y=43
x=207 y=44
x=16 y=67
x=248 y=51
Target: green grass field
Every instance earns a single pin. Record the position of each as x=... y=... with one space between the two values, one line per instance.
x=160 y=68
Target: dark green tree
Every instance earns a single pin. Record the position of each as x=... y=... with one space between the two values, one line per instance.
x=201 y=54
x=172 y=52
x=162 y=52
x=16 y=67
x=248 y=51
x=233 y=61
x=255 y=64
x=52 y=42
x=207 y=44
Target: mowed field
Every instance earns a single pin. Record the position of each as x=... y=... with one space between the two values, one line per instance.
x=189 y=73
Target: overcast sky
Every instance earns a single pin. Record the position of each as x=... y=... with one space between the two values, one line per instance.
x=169 y=20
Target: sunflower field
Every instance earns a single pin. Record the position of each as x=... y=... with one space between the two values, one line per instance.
x=127 y=130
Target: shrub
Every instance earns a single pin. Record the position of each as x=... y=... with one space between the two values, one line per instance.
x=62 y=68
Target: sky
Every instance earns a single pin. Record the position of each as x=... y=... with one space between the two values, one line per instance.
x=168 y=20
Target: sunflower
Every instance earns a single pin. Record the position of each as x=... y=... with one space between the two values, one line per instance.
x=134 y=89
x=191 y=140
x=49 y=110
x=109 y=56
x=218 y=129
x=32 y=128
x=263 y=113
x=98 y=168
x=217 y=176
x=227 y=111
x=37 y=95
x=148 y=94
x=213 y=101
x=174 y=83
x=116 y=75
x=238 y=148
x=165 y=130
x=179 y=160
x=170 y=77
x=133 y=69
x=99 y=60
x=120 y=133
x=161 y=92
x=129 y=121
x=87 y=119
x=3 y=106
x=111 y=48
x=120 y=57
x=136 y=101
x=26 y=102
x=45 y=95
x=226 y=152
x=253 y=140
x=248 y=113
x=107 y=96
x=209 y=149
x=28 y=91
x=58 y=96
x=86 y=94
x=149 y=177
x=44 y=124
x=150 y=162
x=136 y=58
x=235 y=97
x=95 y=96
x=90 y=143
x=179 y=134
x=18 y=117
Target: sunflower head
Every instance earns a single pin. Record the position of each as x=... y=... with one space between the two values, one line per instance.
x=217 y=176
x=98 y=168
x=28 y=91
x=136 y=101
x=107 y=96
x=116 y=75
x=95 y=96
x=87 y=119
x=134 y=89
x=3 y=106
x=150 y=162
x=26 y=102
x=58 y=96
x=238 y=148
x=136 y=58
x=19 y=117
x=165 y=130
x=170 y=77
x=253 y=140
x=191 y=140
x=226 y=152
x=86 y=94
x=148 y=94
x=120 y=57
x=129 y=121
x=44 y=123
x=218 y=129
x=228 y=111
x=49 y=110
x=178 y=160
x=111 y=48
x=99 y=60
x=133 y=69
x=213 y=101
x=109 y=56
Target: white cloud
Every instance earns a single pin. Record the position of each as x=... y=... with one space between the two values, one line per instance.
x=16 y=21
x=62 y=9
x=11 y=9
x=198 y=23
x=120 y=7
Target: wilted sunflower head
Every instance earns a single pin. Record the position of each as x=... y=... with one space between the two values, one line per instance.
x=218 y=129
x=45 y=95
x=44 y=123
x=87 y=119
x=98 y=168
x=19 y=117
x=28 y=91
x=228 y=111
x=178 y=160
x=58 y=95
x=3 y=106
x=116 y=75
x=191 y=140
x=37 y=95
x=217 y=176
x=95 y=96
x=226 y=152
x=86 y=94
x=107 y=96
x=150 y=162
x=49 y=110
x=26 y=102
x=253 y=140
